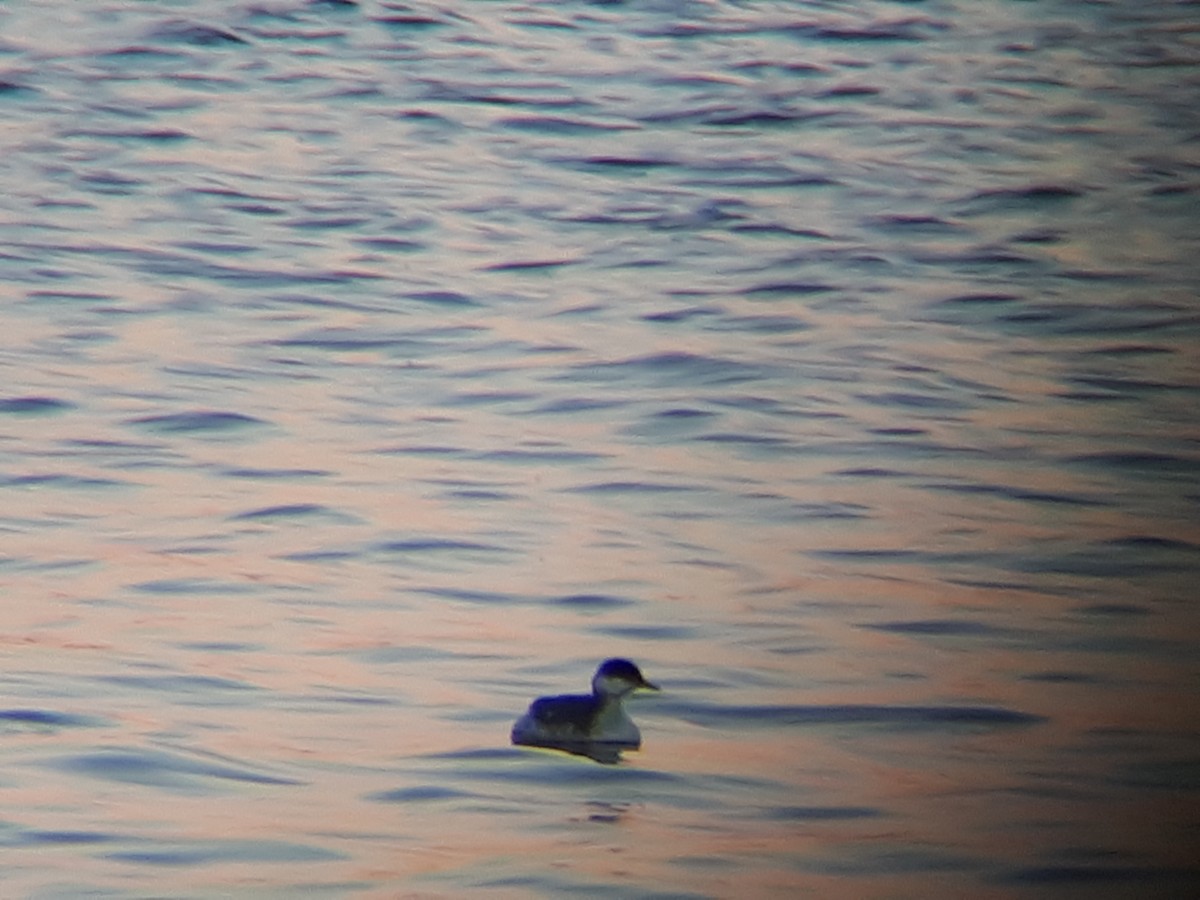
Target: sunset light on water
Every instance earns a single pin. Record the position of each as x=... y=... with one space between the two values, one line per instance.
x=372 y=369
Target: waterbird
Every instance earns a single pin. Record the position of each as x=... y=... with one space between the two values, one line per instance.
x=574 y=721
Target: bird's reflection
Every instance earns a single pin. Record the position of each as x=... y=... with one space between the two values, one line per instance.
x=606 y=752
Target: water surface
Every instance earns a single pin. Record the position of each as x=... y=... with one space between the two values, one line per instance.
x=372 y=368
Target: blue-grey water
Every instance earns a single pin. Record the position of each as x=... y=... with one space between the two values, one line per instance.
x=368 y=369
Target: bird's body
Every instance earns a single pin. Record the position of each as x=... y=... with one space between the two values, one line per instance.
x=598 y=717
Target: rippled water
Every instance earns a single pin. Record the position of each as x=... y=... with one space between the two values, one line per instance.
x=371 y=368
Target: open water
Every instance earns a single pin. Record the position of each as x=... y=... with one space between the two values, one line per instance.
x=368 y=369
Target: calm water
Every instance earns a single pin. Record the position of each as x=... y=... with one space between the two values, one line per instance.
x=369 y=369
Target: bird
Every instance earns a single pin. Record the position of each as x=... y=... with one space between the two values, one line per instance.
x=569 y=721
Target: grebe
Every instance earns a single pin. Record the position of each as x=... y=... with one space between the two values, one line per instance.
x=570 y=720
